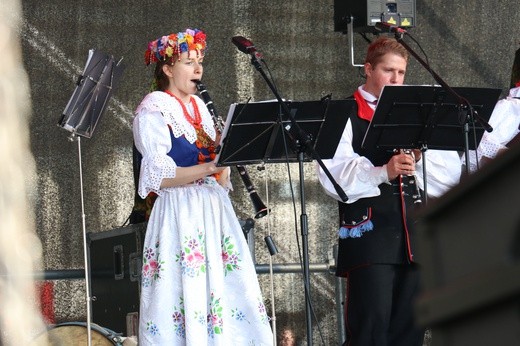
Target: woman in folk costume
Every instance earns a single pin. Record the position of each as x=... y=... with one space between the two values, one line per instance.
x=199 y=285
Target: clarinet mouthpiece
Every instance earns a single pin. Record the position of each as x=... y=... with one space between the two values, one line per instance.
x=198 y=84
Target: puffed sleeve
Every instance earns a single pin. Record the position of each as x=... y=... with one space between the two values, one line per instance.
x=443 y=171
x=152 y=139
x=355 y=174
x=504 y=120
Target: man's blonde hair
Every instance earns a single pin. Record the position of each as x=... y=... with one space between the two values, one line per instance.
x=384 y=45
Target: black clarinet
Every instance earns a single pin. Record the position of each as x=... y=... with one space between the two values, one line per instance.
x=417 y=196
x=260 y=208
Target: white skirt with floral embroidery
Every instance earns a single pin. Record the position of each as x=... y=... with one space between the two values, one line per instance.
x=198 y=284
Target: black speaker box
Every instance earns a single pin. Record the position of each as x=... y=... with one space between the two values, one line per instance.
x=469 y=250
x=115 y=265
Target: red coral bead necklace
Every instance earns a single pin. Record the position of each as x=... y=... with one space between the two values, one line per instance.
x=194 y=121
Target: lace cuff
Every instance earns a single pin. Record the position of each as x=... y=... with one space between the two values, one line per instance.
x=153 y=170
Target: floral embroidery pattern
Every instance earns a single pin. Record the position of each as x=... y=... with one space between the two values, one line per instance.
x=230 y=256
x=152 y=328
x=179 y=321
x=238 y=315
x=214 y=321
x=152 y=265
x=192 y=257
x=262 y=311
x=211 y=181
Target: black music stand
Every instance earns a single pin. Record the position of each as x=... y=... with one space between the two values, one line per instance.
x=263 y=133
x=428 y=117
x=260 y=133
x=89 y=100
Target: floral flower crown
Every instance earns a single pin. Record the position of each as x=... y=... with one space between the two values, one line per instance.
x=174 y=44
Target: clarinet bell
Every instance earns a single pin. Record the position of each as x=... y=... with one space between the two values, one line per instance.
x=260 y=208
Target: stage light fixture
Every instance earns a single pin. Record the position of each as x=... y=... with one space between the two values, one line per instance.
x=364 y=14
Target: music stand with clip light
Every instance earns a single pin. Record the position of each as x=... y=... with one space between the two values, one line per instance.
x=428 y=117
x=80 y=117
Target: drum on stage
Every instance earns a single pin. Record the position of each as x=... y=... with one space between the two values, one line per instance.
x=75 y=334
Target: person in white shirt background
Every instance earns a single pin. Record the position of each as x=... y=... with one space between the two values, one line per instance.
x=505 y=121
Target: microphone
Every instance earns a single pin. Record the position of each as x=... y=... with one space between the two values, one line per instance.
x=387 y=27
x=246 y=46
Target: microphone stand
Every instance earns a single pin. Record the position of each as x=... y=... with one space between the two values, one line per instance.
x=301 y=140
x=466 y=113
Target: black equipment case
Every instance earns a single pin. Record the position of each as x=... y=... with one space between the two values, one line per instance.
x=115 y=261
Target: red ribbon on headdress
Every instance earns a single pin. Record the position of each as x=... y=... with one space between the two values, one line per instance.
x=364 y=110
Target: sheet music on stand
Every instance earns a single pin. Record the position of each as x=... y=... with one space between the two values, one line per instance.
x=257 y=132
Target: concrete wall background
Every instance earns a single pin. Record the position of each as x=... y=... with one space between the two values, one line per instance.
x=468 y=46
